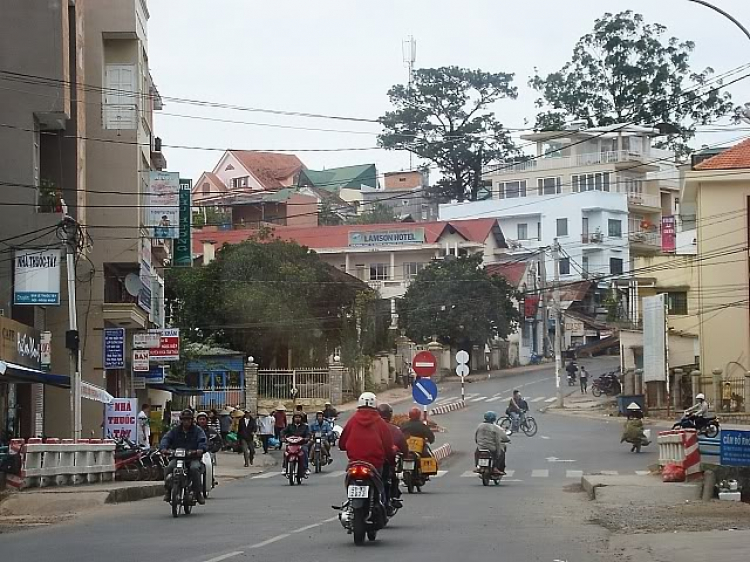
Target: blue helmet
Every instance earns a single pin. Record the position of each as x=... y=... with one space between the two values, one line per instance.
x=490 y=417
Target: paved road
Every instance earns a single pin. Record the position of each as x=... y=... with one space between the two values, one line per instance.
x=529 y=517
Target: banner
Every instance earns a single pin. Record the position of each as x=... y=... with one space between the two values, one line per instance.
x=45 y=350
x=654 y=339
x=183 y=246
x=36 y=277
x=400 y=237
x=169 y=346
x=163 y=208
x=144 y=254
x=141 y=358
x=668 y=235
x=114 y=348
x=121 y=418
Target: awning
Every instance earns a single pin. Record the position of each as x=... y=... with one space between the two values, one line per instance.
x=10 y=372
x=177 y=388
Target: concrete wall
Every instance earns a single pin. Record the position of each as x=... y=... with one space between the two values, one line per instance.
x=676 y=273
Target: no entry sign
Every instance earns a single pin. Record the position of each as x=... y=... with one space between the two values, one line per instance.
x=424 y=364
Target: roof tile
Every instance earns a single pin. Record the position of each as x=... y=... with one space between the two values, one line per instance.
x=737 y=157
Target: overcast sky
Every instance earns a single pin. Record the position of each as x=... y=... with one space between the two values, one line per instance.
x=339 y=57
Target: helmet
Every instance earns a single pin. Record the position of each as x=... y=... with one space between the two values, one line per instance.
x=201 y=415
x=633 y=407
x=386 y=412
x=187 y=413
x=415 y=413
x=328 y=404
x=700 y=396
x=367 y=400
x=490 y=417
x=319 y=413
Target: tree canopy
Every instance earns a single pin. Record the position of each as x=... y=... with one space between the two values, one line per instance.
x=459 y=302
x=626 y=70
x=378 y=213
x=445 y=118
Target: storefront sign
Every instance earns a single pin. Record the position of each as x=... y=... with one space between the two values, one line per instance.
x=20 y=344
x=120 y=418
x=156 y=374
x=163 y=212
x=668 y=235
x=141 y=360
x=37 y=277
x=169 y=346
x=45 y=350
x=146 y=340
x=144 y=295
x=114 y=348
x=735 y=447
x=387 y=238
x=183 y=249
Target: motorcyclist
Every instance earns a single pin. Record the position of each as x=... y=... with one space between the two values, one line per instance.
x=571 y=369
x=366 y=436
x=415 y=427
x=298 y=428
x=190 y=437
x=399 y=445
x=212 y=436
x=491 y=437
x=633 y=432
x=517 y=407
x=329 y=412
x=698 y=412
x=322 y=425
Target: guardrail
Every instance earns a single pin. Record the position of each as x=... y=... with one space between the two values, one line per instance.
x=65 y=462
x=680 y=447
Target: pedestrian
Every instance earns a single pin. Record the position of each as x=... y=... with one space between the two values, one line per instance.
x=213 y=421
x=225 y=425
x=280 y=424
x=246 y=435
x=144 y=426
x=584 y=376
x=266 y=424
x=299 y=410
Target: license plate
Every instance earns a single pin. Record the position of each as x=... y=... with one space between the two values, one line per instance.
x=484 y=462
x=358 y=492
x=180 y=464
x=408 y=465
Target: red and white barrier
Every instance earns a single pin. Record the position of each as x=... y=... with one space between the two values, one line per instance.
x=445 y=408
x=680 y=447
x=442 y=452
x=62 y=463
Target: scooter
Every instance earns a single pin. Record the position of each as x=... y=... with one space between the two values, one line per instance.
x=295 y=471
x=182 y=497
x=571 y=379
x=208 y=473
x=411 y=472
x=710 y=426
x=363 y=514
x=486 y=468
x=319 y=455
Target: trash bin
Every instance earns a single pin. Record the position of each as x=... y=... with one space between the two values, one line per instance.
x=624 y=401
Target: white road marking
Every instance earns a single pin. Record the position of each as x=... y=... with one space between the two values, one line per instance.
x=573 y=473
x=538 y=399
x=510 y=473
x=540 y=473
x=550 y=400
x=225 y=556
x=307 y=528
x=335 y=474
x=469 y=474
x=270 y=541
x=330 y=519
x=266 y=475
x=470 y=395
x=609 y=472
x=478 y=399
x=544 y=437
x=440 y=474
x=495 y=399
x=643 y=472
x=449 y=399
x=510 y=480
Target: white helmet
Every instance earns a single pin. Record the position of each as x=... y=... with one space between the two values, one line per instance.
x=700 y=396
x=367 y=400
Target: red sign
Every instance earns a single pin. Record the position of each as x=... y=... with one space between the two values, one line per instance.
x=169 y=346
x=424 y=364
x=668 y=235
x=531 y=305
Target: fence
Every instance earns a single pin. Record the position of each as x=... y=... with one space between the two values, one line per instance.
x=312 y=385
x=221 y=397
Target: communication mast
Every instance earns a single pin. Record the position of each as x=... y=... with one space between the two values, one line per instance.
x=409 y=53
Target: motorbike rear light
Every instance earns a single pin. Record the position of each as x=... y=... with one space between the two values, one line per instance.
x=359 y=471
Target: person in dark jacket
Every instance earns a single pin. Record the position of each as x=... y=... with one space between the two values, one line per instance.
x=246 y=436
x=298 y=428
x=190 y=437
x=301 y=411
x=279 y=415
x=399 y=445
x=329 y=412
x=415 y=427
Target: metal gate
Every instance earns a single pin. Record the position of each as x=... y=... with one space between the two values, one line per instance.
x=312 y=385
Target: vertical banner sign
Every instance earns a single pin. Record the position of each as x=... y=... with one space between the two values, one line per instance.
x=183 y=246
x=668 y=235
x=36 y=277
x=654 y=339
x=120 y=418
x=45 y=351
x=144 y=296
x=114 y=348
x=163 y=208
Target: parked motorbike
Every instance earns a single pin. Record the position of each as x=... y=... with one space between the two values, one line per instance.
x=181 y=492
x=708 y=426
x=608 y=384
x=129 y=463
x=295 y=471
x=318 y=453
x=486 y=466
x=363 y=514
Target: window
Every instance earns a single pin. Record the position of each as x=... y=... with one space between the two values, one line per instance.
x=549 y=186
x=562 y=227
x=538 y=231
x=585 y=265
x=206 y=188
x=615 y=266
x=615 y=228
x=590 y=182
x=240 y=182
x=411 y=269
x=565 y=266
x=120 y=101
x=585 y=225
x=526 y=334
x=511 y=189
x=677 y=303
x=523 y=231
x=378 y=271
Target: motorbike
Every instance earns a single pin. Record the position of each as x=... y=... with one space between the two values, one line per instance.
x=208 y=474
x=318 y=453
x=710 y=426
x=571 y=379
x=363 y=514
x=295 y=471
x=486 y=467
x=395 y=503
x=411 y=466
x=129 y=463
x=182 y=497
x=608 y=383
x=154 y=461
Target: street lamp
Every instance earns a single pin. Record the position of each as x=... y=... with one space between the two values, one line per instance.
x=723 y=13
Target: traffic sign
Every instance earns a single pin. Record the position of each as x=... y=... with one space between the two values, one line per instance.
x=424 y=391
x=462 y=357
x=424 y=364
x=462 y=370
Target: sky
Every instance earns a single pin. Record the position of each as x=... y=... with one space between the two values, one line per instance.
x=340 y=57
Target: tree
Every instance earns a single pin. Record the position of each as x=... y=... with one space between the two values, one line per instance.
x=626 y=70
x=377 y=214
x=459 y=302
x=265 y=297
x=445 y=118
x=211 y=216
x=327 y=215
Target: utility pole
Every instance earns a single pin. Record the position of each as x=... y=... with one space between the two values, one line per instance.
x=543 y=292
x=70 y=230
x=409 y=54
x=558 y=326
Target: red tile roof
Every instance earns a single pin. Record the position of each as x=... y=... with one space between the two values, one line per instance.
x=323 y=237
x=270 y=168
x=737 y=157
x=512 y=271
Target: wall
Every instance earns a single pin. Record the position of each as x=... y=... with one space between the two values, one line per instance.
x=403 y=180
x=239 y=171
x=672 y=272
x=682 y=349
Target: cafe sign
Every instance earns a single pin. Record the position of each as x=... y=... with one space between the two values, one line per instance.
x=20 y=344
x=396 y=237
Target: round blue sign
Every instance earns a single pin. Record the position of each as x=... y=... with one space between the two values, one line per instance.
x=424 y=391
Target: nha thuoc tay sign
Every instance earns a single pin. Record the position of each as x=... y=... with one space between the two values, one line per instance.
x=36 y=277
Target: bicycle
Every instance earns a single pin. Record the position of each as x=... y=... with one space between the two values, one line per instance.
x=525 y=423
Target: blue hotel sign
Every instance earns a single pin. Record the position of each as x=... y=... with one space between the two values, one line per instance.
x=399 y=237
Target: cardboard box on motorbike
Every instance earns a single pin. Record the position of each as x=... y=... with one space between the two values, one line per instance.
x=427 y=465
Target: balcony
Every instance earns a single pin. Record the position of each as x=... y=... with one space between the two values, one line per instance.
x=120 y=306
x=636 y=199
x=575 y=161
x=645 y=241
x=592 y=238
x=389 y=288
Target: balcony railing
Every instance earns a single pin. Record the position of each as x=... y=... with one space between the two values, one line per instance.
x=576 y=161
x=646 y=238
x=592 y=238
x=644 y=199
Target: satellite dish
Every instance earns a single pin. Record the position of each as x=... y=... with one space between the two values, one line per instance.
x=132 y=284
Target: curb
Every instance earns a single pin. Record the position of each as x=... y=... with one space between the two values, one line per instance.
x=445 y=408
x=442 y=452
